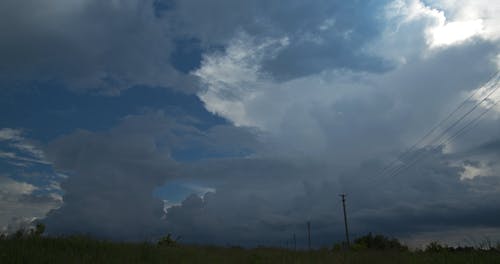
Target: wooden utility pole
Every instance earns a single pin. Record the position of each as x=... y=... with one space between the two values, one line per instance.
x=345 y=221
x=309 y=234
x=294 y=242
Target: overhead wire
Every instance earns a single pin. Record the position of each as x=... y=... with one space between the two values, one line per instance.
x=410 y=151
x=462 y=130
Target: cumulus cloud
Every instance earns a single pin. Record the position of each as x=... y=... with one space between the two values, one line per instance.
x=347 y=117
x=21 y=204
x=112 y=175
x=24 y=197
x=321 y=108
x=266 y=201
x=318 y=98
x=480 y=15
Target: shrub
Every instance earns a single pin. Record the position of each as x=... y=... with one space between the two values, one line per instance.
x=38 y=231
x=378 y=242
x=168 y=241
x=435 y=247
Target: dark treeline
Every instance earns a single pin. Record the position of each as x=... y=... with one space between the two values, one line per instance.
x=31 y=246
x=381 y=242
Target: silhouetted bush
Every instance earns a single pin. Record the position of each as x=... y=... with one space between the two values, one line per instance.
x=168 y=241
x=373 y=242
x=30 y=232
x=38 y=230
x=435 y=247
x=378 y=242
x=461 y=249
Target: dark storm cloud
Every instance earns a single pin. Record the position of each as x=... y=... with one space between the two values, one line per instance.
x=318 y=98
x=490 y=147
x=273 y=190
x=85 y=45
x=112 y=174
x=255 y=202
x=110 y=46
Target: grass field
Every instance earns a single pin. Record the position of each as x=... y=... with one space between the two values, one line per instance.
x=86 y=250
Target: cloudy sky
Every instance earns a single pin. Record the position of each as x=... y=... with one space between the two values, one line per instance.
x=235 y=122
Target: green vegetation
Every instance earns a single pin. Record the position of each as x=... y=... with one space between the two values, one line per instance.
x=31 y=247
x=377 y=242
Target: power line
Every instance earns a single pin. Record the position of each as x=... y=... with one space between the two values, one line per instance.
x=458 y=133
x=471 y=124
x=309 y=235
x=491 y=82
x=294 y=242
x=417 y=156
x=463 y=130
x=415 y=145
x=465 y=115
x=434 y=128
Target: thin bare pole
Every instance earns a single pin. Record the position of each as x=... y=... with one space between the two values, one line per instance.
x=294 y=242
x=309 y=234
x=345 y=221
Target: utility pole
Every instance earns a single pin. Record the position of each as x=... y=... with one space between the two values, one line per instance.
x=294 y=242
x=345 y=220
x=309 y=234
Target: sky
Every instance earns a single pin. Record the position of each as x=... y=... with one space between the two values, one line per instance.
x=234 y=122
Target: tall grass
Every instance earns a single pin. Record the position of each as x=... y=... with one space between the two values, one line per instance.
x=78 y=249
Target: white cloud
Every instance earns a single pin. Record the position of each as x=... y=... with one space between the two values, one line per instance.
x=310 y=109
x=236 y=76
x=347 y=118
x=29 y=149
x=489 y=91
x=327 y=24
x=449 y=22
x=18 y=202
x=26 y=153
x=474 y=10
x=235 y=87
x=13 y=189
x=332 y=116
x=481 y=169
x=10 y=134
x=455 y=32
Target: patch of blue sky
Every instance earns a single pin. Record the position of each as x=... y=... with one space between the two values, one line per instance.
x=176 y=191
x=187 y=55
x=43 y=176
x=47 y=112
